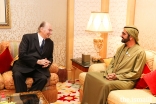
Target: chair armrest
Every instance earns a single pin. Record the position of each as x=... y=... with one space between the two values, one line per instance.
x=1 y=82
x=53 y=68
x=97 y=67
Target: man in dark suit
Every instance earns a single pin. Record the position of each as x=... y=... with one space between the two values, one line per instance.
x=35 y=58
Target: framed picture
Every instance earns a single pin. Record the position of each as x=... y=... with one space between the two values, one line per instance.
x=5 y=14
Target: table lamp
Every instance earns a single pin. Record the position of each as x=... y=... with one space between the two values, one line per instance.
x=99 y=22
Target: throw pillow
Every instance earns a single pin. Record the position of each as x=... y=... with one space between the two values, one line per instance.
x=150 y=80
x=107 y=61
x=141 y=84
x=149 y=59
x=5 y=60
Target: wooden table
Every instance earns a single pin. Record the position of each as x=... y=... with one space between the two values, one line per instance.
x=78 y=64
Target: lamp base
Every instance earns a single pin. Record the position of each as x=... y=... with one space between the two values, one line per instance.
x=98 y=44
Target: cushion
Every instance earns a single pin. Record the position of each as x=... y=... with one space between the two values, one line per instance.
x=13 y=46
x=131 y=96
x=98 y=67
x=82 y=77
x=5 y=60
x=141 y=82
x=107 y=61
x=150 y=80
x=8 y=80
x=150 y=58
x=1 y=82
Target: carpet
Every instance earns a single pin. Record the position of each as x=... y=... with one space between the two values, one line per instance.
x=68 y=93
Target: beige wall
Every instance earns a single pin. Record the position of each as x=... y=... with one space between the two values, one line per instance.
x=143 y=17
x=145 y=20
x=26 y=15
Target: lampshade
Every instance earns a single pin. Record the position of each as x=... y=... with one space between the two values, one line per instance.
x=99 y=22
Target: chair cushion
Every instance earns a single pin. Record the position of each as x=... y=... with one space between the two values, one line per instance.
x=13 y=46
x=141 y=82
x=5 y=60
x=8 y=80
x=150 y=80
x=98 y=67
x=9 y=83
x=82 y=77
x=133 y=96
x=150 y=58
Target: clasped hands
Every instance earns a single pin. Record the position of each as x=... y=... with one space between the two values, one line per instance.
x=111 y=76
x=44 y=62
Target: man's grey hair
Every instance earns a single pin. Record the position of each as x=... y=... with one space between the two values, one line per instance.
x=41 y=25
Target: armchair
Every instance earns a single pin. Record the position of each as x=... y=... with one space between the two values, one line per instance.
x=6 y=81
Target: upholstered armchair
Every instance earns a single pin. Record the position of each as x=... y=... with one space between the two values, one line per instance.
x=6 y=80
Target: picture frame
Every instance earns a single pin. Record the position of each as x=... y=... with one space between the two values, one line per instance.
x=5 y=14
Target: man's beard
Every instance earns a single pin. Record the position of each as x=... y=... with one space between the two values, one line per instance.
x=125 y=40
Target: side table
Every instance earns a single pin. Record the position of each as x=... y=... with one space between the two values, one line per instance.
x=62 y=74
x=78 y=64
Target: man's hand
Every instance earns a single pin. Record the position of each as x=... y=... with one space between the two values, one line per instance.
x=44 y=62
x=111 y=76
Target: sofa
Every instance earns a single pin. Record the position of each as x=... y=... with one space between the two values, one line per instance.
x=144 y=95
x=6 y=81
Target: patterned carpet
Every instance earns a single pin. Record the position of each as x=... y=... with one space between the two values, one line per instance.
x=68 y=93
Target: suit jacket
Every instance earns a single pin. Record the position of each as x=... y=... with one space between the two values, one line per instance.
x=29 y=53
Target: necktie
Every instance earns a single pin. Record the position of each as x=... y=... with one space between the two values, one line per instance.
x=42 y=45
